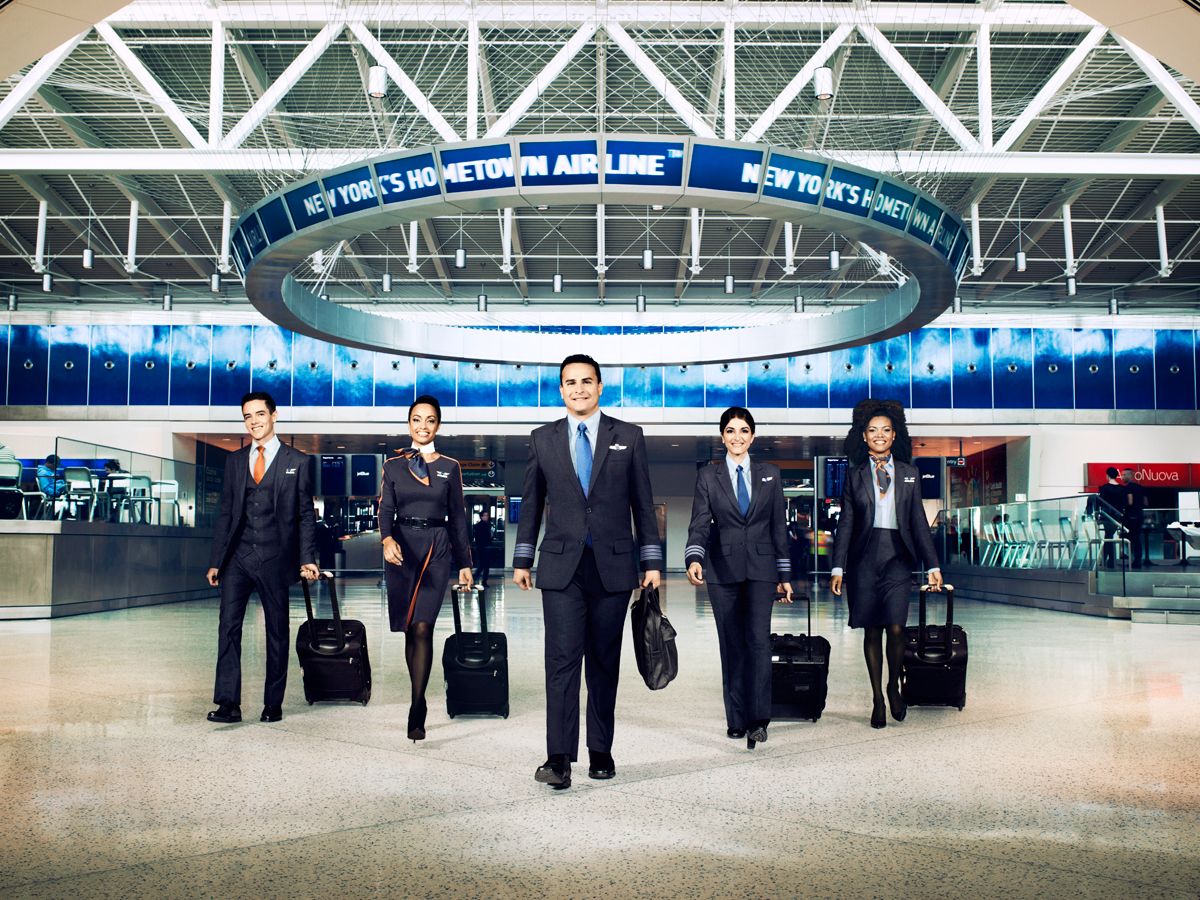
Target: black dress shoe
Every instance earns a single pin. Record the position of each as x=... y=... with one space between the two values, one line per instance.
x=896 y=702
x=271 y=714
x=416 y=721
x=756 y=735
x=601 y=765
x=736 y=733
x=555 y=771
x=226 y=713
x=879 y=714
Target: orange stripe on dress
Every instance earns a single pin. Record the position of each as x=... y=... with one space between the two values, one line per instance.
x=412 y=603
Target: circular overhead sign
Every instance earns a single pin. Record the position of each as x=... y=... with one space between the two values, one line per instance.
x=927 y=239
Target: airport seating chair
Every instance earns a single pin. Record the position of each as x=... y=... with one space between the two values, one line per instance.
x=1047 y=546
x=1070 y=538
x=10 y=483
x=80 y=492
x=166 y=491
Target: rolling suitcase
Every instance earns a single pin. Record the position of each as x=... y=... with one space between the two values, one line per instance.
x=475 y=665
x=333 y=653
x=935 y=659
x=799 y=674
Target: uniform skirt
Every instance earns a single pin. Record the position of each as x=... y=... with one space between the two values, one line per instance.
x=417 y=588
x=879 y=587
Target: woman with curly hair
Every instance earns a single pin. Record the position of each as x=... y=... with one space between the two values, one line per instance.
x=882 y=534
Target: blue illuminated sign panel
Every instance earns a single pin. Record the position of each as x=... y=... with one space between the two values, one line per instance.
x=925 y=220
x=850 y=192
x=351 y=191
x=893 y=204
x=644 y=163
x=307 y=205
x=718 y=168
x=274 y=220
x=410 y=178
x=241 y=250
x=478 y=168
x=559 y=163
x=947 y=233
x=253 y=233
x=795 y=179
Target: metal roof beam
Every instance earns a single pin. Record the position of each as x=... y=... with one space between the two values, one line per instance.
x=796 y=85
x=658 y=80
x=1160 y=196
x=537 y=87
x=490 y=117
x=1165 y=82
x=35 y=78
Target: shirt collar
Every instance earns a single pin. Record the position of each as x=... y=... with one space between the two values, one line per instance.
x=889 y=464
x=272 y=445
x=732 y=466
x=592 y=422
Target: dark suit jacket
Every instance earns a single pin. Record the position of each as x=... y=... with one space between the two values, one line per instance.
x=739 y=548
x=293 y=509
x=858 y=516
x=620 y=486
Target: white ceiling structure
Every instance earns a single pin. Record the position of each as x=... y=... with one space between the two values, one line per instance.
x=140 y=137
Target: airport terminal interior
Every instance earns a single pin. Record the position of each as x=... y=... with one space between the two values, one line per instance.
x=986 y=211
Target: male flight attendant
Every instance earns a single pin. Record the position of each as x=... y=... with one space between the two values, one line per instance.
x=265 y=541
x=591 y=471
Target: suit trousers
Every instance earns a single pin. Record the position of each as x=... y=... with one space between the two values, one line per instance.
x=242 y=576
x=584 y=627
x=743 y=614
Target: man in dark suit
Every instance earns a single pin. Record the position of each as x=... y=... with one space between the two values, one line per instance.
x=481 y=537
x=264 y=541
x=591 y=471
x=1134 y=516
x=1108 y=510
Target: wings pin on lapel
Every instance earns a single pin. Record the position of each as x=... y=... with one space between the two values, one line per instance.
x=768 y=478
x=441 y=474
x=291 y=471
x=617 y=447
x=909 y=479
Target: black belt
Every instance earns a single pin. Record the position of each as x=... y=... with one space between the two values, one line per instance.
x=414 y=522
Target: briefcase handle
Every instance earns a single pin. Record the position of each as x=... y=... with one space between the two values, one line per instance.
x=333 y=603
x=455 y=590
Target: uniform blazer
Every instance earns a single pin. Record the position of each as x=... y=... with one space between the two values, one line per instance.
x=294 y=513
x=619 y=487
x=733 y=547
x=443 y=498
x=858 y=516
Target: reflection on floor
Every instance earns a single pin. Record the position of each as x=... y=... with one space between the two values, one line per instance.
x=1073 y=771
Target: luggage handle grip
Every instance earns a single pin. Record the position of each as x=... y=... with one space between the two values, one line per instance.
x=928 y=589
x=455 y=590
x=333 y=603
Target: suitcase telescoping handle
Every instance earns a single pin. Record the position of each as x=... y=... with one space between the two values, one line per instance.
x=455 y=590
x=949 y=591
x=327 y=577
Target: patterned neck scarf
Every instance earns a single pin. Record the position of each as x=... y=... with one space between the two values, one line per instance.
x=882 y=479
x=417 y=467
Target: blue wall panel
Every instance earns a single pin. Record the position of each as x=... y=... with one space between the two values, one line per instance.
x=808 y=381
x=4 y=362
x=395 y=380
x=518 y=386
x=29 y=355
x=548 y=382
x=1012 y=367
x=109 y=377
x=438 y=378
x=1174 y=370
x=725 y=385
x=849 y=377
x=611 y=396
x=312 y=372
x=191 y=354
x=643 y=386
x=149 y=364
x=1133 y=368
x=477 y=384
x=971 y=359
x=271 y=363
x=230 y=379
x=931 y=369
x=1093 y=349
x=890 y=370
x=70 y=348
x=683 y=386
x=1053 y=384
x=766 y=384
x=353 y=373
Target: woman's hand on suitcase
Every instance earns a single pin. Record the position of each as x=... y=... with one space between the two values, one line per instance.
x=466 y=578
x=835 y=584
x=784 y=588
x=935 y=579
x=695 y=574
x=391 y=551
x=310 y=572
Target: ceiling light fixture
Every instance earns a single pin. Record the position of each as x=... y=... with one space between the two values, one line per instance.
x=1072 y=286
x=387 y=282
x=729 y=285
x=89 y=258
x=377 y=79
x=481 y=302
x=641 y=303
x=798 y=304
x=12 y=302
x=168 y=301
x=823 y=83
x=558 y=283
x=47 y=283
x=214 y=282
x=835 y=260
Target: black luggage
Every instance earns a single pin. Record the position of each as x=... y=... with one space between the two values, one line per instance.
x=799 y=674
x=333 y=653
x=653 y=641
x=475 y=666
x=935 y=659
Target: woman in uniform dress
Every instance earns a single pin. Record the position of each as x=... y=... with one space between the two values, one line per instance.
x=423 y=523
x=881 y=536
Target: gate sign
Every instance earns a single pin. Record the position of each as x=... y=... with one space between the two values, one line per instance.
x=716 y=168
x=409 y=178
x=559 y=164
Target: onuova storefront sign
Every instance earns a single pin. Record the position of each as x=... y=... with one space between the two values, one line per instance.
x=1182 y=476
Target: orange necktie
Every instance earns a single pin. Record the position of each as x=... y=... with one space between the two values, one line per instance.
x=260 y=465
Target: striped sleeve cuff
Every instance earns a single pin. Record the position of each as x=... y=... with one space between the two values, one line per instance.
x=651 y=556
x=784 y=566
x=693 y=553
x=523 y=553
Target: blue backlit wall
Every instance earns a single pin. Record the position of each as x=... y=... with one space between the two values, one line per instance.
x=936 y=368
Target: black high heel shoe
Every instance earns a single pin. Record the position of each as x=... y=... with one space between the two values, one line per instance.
x=756 y=734
x=416 y=721
x=879 y=714
x=896 y=702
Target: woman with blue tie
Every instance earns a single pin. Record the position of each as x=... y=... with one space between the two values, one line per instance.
x=881 y=535
x=739 y=531
x=423 y=524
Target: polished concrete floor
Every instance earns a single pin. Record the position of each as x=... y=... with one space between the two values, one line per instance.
x=1074 y=771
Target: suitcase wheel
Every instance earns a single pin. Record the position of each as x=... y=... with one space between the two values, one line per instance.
x=310 y=702
x=505 y=712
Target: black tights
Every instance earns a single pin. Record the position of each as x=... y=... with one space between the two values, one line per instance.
x=418 y=653
x=873 y=651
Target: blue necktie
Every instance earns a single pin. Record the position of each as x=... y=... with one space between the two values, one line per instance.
x=743 y=494
x=583 y=458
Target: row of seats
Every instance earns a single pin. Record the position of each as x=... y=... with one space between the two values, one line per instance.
x=127 y=497
x=1012 y=545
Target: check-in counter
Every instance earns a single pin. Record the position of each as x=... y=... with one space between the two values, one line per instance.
x=65 y=568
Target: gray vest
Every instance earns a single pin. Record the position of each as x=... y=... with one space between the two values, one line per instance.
x=260 y=531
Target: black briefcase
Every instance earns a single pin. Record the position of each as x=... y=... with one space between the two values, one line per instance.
x=935 y=659
x=653 y=641
x=333 y=653
x=799 y=674
x=475 y=665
